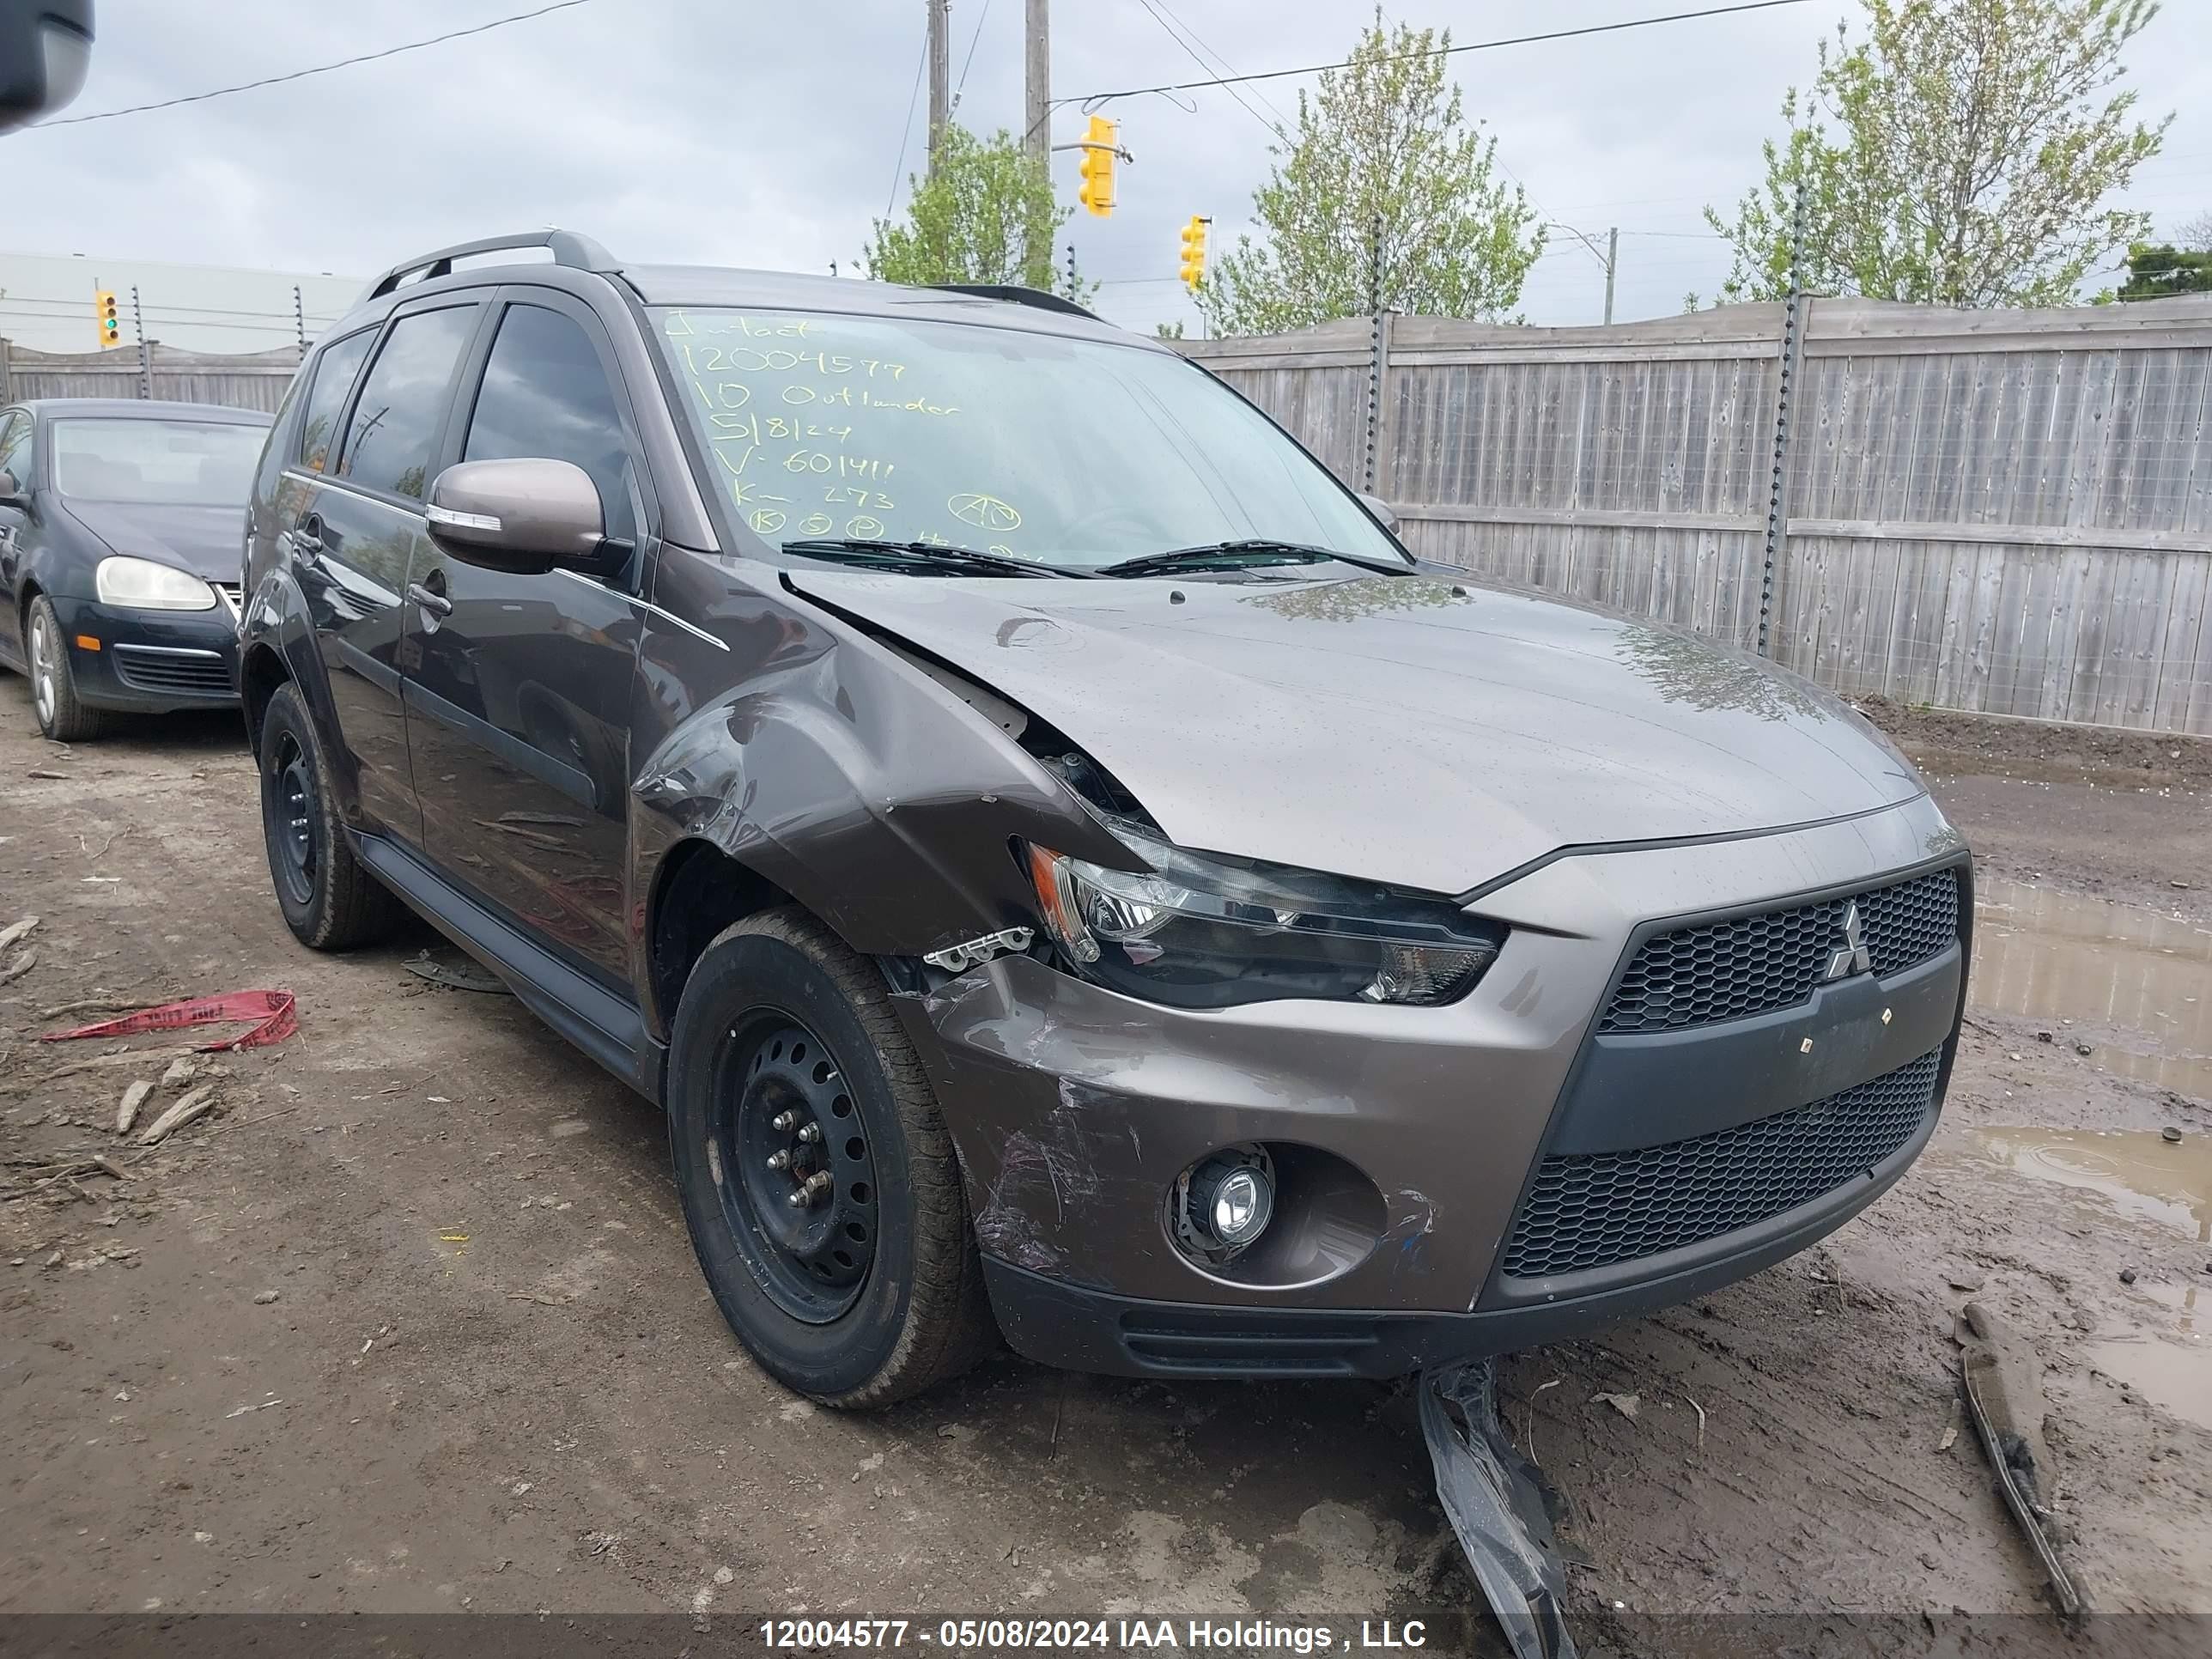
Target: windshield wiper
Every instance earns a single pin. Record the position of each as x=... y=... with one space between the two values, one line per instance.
x=859 y=550
x=1250 y=552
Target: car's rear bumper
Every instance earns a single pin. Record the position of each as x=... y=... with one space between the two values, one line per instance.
x=1407 y=1141
x=150 y=661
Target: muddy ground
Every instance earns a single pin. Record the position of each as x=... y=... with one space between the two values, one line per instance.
x=412 y=1323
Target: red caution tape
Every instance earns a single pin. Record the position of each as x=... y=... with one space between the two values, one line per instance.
x=272 y=1010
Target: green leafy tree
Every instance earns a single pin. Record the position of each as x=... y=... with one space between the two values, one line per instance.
x=1383 y=152
x=2158 y=273
x=985 y=213
x=1954 y=155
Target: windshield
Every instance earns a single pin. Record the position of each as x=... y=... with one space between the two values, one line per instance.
x=1066 y=452
x=173 y=463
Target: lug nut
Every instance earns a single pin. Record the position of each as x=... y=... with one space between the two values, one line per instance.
x=810 y=1135
x=807 y=1190
x=783 y=1121
x=779 y=1160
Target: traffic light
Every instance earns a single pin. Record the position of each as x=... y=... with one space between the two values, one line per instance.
x=111 y=325
x=1100 y=140
x=1193 y=251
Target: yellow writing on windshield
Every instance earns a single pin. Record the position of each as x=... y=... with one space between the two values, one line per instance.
x=984 y=512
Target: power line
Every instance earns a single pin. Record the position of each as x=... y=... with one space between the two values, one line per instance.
x=961 y=86
x=1223 y=63
x=906 y=131
x=1191 y=52
x=1093 y=98
x=320 y=68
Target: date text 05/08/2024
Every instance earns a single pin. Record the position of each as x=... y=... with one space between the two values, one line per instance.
x=1071 y=1635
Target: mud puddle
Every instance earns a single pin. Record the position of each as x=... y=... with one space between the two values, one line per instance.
x=2164 y=1185
x=2143 y=980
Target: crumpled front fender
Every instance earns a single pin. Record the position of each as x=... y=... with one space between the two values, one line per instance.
x=864 y=788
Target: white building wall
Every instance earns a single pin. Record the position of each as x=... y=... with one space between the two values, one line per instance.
x=45 y=302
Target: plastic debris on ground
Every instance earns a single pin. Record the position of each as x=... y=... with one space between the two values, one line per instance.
x=274 y=1012
x=1498 y=1504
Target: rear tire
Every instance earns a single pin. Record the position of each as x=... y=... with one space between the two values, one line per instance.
x=63 y=716
x=870 y=1290
x=330 y=903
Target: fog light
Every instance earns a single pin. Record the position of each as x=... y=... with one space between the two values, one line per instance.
x=1225 y=1202
x=1240 y=1207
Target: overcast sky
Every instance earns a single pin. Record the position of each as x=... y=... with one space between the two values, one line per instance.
x=726 y=132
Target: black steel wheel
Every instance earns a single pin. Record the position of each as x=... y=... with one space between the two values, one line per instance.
x=802 y=1203
x=790 y=1077
x=288 y=820
x=330 y=903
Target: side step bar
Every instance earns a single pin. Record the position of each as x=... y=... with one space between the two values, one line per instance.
x=607 y=1027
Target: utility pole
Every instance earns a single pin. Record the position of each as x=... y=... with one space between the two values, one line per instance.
x=1611 y=264
x=940 y=75
x=1036 y=82
x=300 y=321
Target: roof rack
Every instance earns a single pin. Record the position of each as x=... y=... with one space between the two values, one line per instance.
x=569 y=248
x=1014 y=294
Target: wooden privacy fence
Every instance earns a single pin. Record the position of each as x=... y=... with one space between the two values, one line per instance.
x=2000 y=512
x=248 y=380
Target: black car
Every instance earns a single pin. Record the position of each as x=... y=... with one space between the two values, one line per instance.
x=121 y=524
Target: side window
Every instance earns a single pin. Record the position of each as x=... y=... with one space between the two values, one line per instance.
x=334 y=374
x=545 y=396
x=395 y=419
x=16 y=448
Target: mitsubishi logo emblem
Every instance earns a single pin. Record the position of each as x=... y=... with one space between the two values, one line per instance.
x=1852 y=958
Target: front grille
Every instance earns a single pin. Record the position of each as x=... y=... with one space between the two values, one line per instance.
x=173 y=674
x=1754 y=965
x=1592 y=1210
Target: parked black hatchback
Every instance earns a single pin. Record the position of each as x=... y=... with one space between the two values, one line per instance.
x=1059 y=860
x=119 y=529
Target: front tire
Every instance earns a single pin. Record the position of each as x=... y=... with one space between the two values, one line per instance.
x=330 y=903
x=789 y=1074
x=63 y=716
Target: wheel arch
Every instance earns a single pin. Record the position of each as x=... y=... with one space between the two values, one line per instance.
x=261 y=670
x=698 y=889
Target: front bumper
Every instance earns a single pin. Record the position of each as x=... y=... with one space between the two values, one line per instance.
x=1408 y=1139
x=151 y=661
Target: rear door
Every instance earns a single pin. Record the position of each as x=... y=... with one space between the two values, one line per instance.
x=519 y=686
x=359 y=525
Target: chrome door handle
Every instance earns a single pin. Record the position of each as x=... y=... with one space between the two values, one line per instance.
x=436 y=604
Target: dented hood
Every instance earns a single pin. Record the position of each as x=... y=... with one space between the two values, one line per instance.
x=1396 y=728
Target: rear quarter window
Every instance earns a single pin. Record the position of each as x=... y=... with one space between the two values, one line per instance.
x=333 y=377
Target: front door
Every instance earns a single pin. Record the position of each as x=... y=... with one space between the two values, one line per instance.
x=519 y=686
x=15 y=524
x=356 y=530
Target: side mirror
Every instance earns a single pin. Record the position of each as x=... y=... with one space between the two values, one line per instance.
x=45 y=48
x=1380 y=508
x=11 y=493
x=524 y=517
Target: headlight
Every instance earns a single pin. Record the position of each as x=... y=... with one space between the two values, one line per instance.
x=142 y=584
x=1208 y=933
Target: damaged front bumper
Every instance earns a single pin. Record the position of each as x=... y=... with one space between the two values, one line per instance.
x=1404 y=1140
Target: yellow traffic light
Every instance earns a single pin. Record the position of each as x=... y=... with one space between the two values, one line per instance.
x=111 y=325
x=1193 y=251
x=1100 y=140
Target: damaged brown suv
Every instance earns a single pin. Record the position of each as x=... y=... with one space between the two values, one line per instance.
x=1066 y=870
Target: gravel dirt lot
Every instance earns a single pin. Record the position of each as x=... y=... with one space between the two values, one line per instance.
x=411 y=1323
